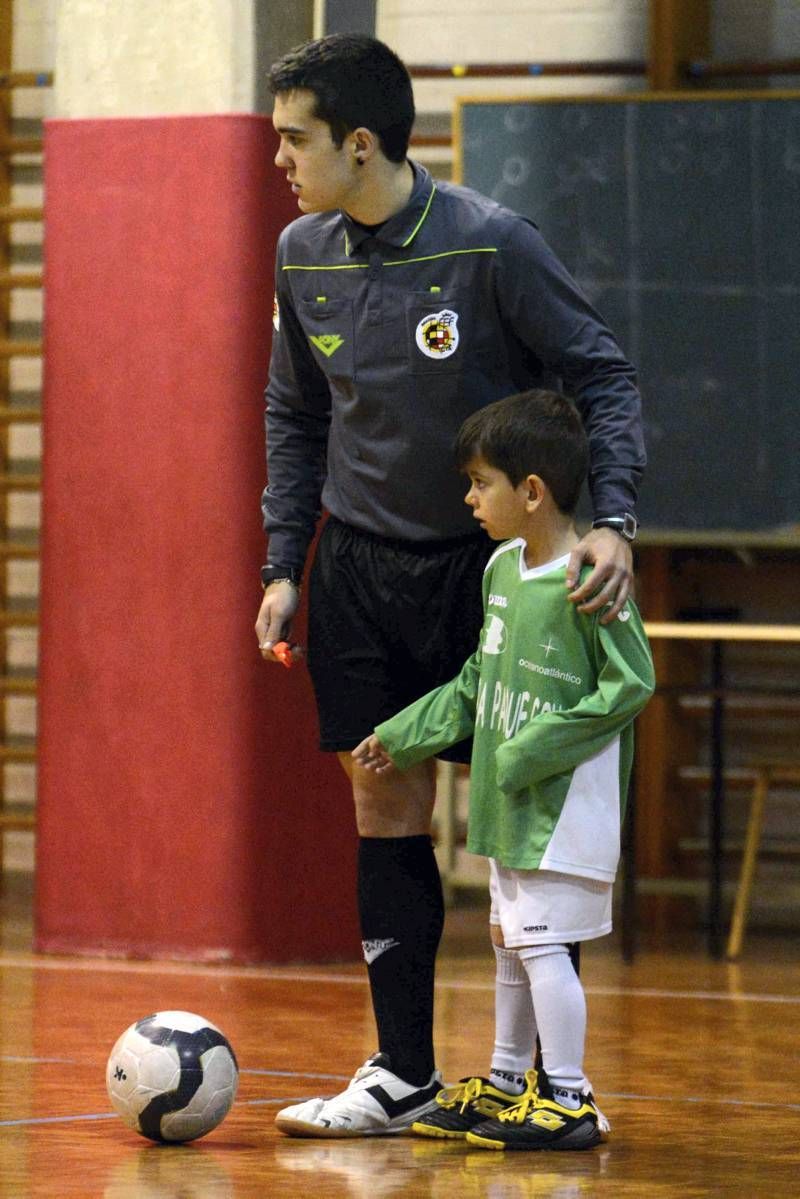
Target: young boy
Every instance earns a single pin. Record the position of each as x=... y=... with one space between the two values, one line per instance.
x=550 y=696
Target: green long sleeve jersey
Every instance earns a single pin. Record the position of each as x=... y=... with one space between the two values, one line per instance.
x=550 y=696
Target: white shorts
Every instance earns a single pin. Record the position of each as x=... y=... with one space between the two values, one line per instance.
x=541 y=907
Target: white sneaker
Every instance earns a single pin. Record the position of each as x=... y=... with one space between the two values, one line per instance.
x=375 y=1103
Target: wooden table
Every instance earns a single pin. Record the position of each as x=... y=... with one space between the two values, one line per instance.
x=717 y=634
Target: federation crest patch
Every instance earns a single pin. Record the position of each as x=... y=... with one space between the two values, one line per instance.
x=276 y=314
x=437 y=334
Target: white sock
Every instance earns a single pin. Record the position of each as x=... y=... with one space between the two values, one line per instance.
x=560 y=1007
x=514 y=1023
x=512 y=1084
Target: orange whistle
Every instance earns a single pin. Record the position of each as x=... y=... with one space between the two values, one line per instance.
x=283 y=653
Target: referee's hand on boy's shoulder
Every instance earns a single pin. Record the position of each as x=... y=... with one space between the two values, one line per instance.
x=611 y=578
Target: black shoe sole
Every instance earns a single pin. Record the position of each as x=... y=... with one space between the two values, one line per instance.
x=576 y=1140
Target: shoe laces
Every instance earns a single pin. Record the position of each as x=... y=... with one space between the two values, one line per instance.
x=518 y=1113
x=529 y=1100
x=462 y=1094
x=532 y=1100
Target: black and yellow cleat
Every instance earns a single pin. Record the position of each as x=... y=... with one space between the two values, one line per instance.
x=539 y=1121
x=473 y=1101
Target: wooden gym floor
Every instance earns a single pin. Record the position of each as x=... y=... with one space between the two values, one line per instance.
x=694 y=1061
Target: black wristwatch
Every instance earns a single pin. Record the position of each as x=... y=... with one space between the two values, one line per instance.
x=280 y=574
x=626 y=525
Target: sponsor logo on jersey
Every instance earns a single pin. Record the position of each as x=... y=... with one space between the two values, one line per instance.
x=535 y=928
x=327 y=343
x=276 y=315
x=551 y=671
x=494 y=636
x=437 y=334
x=499 y=601
x=508 y=709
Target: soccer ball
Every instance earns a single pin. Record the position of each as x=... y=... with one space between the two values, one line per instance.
x=172 y=1076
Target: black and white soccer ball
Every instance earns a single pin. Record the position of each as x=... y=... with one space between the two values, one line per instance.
x=172 y=1076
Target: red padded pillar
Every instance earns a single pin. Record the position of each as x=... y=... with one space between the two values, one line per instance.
x=184 y=809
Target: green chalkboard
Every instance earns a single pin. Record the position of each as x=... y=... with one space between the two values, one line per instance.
x=680 y=218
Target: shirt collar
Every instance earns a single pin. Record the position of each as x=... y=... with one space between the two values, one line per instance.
x=400 y=229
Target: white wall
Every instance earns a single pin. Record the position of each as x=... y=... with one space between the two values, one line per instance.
x=515 y=31
x=549 y=30
x=145 y=57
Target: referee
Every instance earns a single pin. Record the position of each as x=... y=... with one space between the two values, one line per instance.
x=403 y=305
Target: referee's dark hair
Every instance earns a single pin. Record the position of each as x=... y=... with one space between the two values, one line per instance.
x=356 y=81
x=533 y=433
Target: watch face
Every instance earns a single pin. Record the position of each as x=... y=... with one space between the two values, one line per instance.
x=629 y=526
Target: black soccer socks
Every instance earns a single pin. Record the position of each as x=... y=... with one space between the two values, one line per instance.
x=402 y=913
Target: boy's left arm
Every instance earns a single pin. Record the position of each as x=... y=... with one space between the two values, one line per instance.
x=557 y=741
x=439 y=719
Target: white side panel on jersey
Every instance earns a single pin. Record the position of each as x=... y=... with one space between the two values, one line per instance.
x=590 y=818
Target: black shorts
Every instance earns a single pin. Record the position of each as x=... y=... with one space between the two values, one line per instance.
x=388 y=621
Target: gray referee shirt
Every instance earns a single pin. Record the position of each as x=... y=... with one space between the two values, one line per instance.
x=385 y=343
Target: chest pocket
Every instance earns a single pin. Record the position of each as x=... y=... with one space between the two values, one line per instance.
x=329 y=327
x=438 y=333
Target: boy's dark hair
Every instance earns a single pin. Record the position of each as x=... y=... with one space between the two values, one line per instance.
x=534 y=433
x=356 y=80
